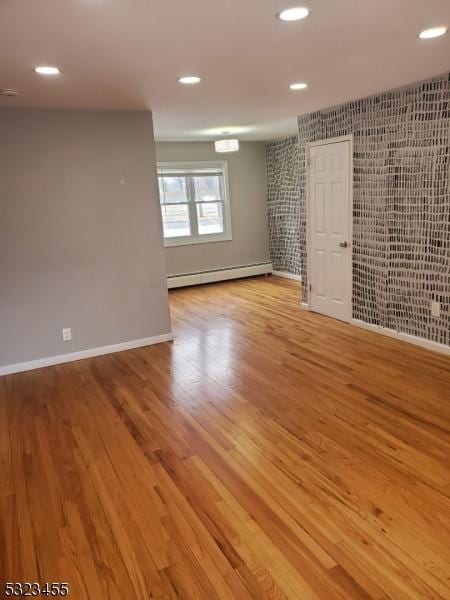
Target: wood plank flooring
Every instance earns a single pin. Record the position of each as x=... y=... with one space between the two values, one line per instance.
x=267 y=453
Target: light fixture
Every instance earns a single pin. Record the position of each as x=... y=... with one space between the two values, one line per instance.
x=190 y=79
x=10 y=92
x=47 y=70
x=230 y=145
x=434 y=32
x=225 y=130
x=296 y=13
x=301 y=85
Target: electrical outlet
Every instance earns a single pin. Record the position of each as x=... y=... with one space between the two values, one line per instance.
x=435 y=309
x=67 y=334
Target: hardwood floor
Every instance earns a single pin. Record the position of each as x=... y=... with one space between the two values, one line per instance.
x=267 y=453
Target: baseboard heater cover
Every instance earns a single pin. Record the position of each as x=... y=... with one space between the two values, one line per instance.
x=175 y=281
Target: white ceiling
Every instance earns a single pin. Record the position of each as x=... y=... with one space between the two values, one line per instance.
x=129 y=53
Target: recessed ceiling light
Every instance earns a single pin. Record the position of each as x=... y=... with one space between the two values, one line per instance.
x=293 y=14
x=47 y=70
x=234 y=130
x=190 y=79
x=301 y=85
x=434 y=32
x=10 y=92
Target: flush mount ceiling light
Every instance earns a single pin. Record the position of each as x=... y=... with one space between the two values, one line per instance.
x=227 y=145
x=190 y=79
x=47 y=70
x=434 y=32
x=301 y=85
x=296 y=13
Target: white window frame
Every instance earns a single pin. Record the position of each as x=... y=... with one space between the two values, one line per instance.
x=206 y=238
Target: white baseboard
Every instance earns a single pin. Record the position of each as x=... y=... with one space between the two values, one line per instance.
x=404 y=337
x=64 y=358
x=304 y=306
x=176 y=281
x=287 y=275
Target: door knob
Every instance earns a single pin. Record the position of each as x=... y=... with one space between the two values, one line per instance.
x=343 y=244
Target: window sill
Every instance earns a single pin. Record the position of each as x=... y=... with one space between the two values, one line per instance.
x=192 y=241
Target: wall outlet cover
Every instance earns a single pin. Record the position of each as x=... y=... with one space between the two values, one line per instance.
x=67 y=334
x=435 y=309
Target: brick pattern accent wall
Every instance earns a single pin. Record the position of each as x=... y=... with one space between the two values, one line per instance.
x=286 y=213
x=401 y=215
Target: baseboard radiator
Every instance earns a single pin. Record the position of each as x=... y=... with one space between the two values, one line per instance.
x=175 y=281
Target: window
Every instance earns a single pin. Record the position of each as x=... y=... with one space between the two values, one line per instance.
x=194 y=202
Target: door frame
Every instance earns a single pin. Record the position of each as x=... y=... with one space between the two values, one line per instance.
x=349 y=282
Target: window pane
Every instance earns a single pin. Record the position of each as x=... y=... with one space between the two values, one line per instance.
x=207 y=188
x=175 y=220
x=172 y=189
x=210 y=218
x=161 y=190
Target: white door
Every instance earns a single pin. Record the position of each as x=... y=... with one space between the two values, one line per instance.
x=330 y=254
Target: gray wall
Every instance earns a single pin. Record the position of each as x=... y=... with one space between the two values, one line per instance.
x=401 y=215
x=79 y=247
x=247 y=179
